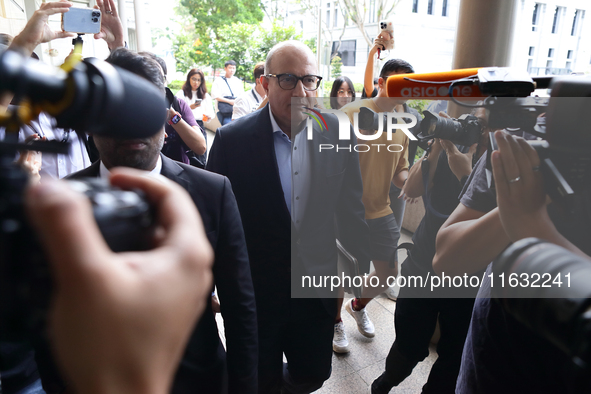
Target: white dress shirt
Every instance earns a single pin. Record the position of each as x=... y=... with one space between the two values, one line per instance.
x=206 y=107
x=294 y=170
x=247 y=103
x=56 y=166
x=219 y=88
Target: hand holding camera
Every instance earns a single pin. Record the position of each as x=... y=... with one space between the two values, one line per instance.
x=520 y=191
x=105 y=304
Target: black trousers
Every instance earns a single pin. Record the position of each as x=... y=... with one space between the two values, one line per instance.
x=304 y=334
x=415 y=319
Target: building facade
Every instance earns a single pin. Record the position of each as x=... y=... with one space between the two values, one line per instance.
x=551 y=37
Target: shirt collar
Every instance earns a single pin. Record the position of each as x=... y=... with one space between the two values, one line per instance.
x=276 y=128
x=106 y=174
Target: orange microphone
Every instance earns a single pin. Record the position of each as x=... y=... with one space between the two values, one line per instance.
x=435 y=86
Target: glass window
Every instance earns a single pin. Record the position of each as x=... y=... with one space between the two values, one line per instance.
x=346 y=52
x=444 y=8
x=415 y=6
x=372 y=11
x=430 y=7
x=529 y=65
x=569 y=54
x=336 y=14
x=535 y=17
x=556 y=21
x=579 y=14
x=531 y=51
x=551 y=52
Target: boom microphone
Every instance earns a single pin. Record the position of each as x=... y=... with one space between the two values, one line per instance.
x=467 y=83
x=94 y=97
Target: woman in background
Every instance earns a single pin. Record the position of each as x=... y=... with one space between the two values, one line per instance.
x=342 y=92
x=194 y=92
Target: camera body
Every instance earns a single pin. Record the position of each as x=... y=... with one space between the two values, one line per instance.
x=465 y=131
x=125 y=219
x=82 y=20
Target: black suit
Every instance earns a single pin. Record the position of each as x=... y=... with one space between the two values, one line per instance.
x=204 y=362
x=244 y=152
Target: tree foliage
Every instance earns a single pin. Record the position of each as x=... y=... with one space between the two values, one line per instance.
x=335 y=67
x=212 y=15
x=244 y=43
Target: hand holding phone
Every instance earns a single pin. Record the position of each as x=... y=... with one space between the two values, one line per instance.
x=82 y=20
x=198 y=101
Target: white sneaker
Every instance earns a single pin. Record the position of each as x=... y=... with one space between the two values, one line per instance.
x=364 y=325
x=340 y=344
x=392 y=292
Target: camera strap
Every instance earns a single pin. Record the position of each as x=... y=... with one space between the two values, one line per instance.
x=254 y=95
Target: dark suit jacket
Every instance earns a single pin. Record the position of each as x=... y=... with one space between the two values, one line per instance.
x=244 y=151
x=203 y=363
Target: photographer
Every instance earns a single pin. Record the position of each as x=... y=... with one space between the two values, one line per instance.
x=500 y=354
x=438 y=178
x=107 y=307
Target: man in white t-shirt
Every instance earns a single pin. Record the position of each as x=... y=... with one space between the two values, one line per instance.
x=251 y=100
x=225 y=90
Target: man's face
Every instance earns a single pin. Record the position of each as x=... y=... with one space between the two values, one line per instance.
x=230 y=70
x=289 y=60
x=141 y=154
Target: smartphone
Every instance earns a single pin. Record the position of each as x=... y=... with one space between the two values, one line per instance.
x=82 y=20
x=198 y=101
x=387 y=32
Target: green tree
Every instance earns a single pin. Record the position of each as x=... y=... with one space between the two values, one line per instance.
x=212 y=15
x=268 y=38
x=235 y=42
x=335 y=67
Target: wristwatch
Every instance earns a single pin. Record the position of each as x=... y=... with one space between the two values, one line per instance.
x=175 y=119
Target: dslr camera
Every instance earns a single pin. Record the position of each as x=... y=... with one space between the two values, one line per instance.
x=94 y=97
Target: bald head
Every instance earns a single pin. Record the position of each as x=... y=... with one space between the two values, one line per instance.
x=291 y=47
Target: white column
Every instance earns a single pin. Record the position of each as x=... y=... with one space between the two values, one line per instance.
x=123 y=16
x=142 y=31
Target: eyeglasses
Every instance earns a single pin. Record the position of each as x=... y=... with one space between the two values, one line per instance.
x=289 y=81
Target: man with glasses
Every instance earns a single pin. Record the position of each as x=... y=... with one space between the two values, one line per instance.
x=289 y=193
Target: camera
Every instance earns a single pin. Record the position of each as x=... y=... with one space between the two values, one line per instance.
x=465 y=130
x=565 y=142
x=94 y=96
x=557 y=307
x=125 y=219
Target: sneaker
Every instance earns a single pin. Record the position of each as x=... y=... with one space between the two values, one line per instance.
x=340 y=344
x=392 y=292
x=364 y=325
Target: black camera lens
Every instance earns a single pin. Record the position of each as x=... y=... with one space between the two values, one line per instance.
x=95 y=20
x=97 y=14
